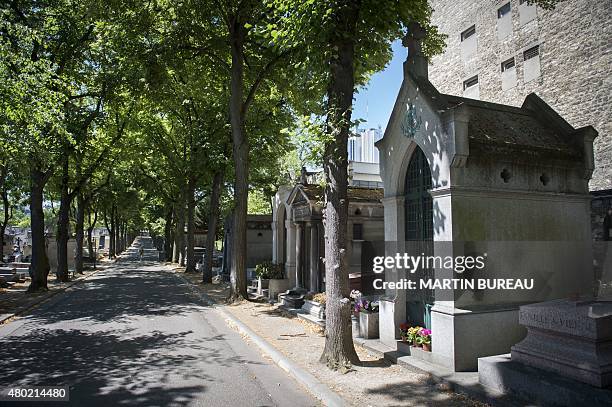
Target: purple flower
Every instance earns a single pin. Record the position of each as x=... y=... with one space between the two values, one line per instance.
x=425 y=332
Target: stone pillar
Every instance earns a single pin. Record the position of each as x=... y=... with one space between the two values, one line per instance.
x=393 y=306
x=275 y=240
x=290 y=254
x=298 y=255
x=314 y=258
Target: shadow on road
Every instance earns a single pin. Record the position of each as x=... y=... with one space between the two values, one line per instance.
x=96 y=340
x=123 y=293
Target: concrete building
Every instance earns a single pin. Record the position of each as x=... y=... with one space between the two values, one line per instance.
x=503 y=50
x=364 y=174
x=472 y=178
x=361 y=145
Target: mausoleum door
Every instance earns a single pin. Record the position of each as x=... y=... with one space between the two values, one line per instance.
x=419 y=231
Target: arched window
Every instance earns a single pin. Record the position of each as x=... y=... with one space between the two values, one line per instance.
x=418 y=203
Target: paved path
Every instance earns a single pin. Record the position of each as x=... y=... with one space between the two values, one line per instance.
x=134 y=335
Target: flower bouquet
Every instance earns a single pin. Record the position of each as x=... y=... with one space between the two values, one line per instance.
x=411 y=335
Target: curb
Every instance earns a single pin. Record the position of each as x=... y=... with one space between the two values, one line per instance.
x=6 y=319
x=317 y=388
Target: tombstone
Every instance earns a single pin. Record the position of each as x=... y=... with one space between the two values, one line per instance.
x=568 y=346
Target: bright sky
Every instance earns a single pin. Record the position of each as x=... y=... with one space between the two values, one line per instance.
x=376 y=101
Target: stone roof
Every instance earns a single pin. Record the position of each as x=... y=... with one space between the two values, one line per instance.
x=355 y=194
x=509 y=126
x=534 y=126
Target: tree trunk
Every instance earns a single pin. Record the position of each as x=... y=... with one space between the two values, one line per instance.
x=175 y=243
x=79 y=230
x=213 y=218
x=117 y=236
x=191 y=261
x=213 y=215
x=92 y=225
x=168 y=234
x=339 y=352
x=4 y=224
x=179 y=234
x=123 y=236
x=39 y=267
x=110 y=227
x=241 y=164
x=63 y=223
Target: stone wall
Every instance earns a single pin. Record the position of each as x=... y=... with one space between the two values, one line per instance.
x=602 y=200
x=574 y=61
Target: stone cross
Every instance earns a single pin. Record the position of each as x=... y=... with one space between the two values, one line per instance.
x=416 y=61
x=412 y=40
x=304 y=176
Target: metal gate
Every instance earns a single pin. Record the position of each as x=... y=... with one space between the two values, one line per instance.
x=419 y=232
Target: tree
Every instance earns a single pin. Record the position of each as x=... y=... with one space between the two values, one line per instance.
x=344 y=42
x=233 y=35
x=33 y=93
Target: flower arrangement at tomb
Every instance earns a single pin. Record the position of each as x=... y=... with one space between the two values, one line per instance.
x=423 y=339
x=417 y=336
x=268 y=270
x=363 y=305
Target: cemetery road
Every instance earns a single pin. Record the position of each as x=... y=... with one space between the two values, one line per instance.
x=135 y=335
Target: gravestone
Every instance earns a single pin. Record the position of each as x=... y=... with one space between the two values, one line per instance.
x=570 y=338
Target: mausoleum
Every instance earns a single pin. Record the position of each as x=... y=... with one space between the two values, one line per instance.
x=298 y=241
x=473 y=177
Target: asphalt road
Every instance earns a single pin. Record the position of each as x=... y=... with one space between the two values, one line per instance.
x=134 y=335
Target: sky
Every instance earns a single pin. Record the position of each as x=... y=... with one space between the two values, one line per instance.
x=375 y=103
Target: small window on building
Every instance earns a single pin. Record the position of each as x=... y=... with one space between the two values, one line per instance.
x=468 y=33
x=531 y=63
x=508 y=64
x=527 y=12
x=468 y=83
x=531 y=53
x=357 y=231
x=503 y=10
x=508 y=74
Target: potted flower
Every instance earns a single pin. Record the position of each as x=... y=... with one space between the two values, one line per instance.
x=403 y=328
x=368 y=318
x=424 y=339
x=412 y=334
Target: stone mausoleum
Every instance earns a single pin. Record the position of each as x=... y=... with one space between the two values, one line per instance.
x=298 y=240
x=473 y=177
